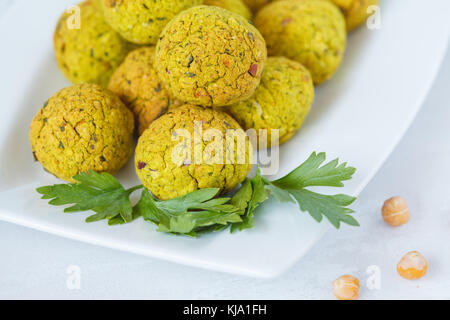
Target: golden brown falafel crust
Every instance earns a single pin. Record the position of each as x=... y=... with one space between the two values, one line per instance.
x=282 y=101
x=137 y=84
x=81 y=128
x=141 y=21
x=91 y=53
x=311 y=32
x=236 y=6
x=168 y=179
x=210 y=56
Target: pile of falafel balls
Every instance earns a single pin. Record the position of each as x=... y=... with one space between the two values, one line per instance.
x=162 y=65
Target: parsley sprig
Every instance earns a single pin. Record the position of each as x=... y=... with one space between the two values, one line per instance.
x=202 y=210
x=313 y=174
x=99 y=192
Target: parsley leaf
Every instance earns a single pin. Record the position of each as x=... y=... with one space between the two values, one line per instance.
x=243 y=196
x=99 y=192
x=190 y=213
x=311 y=173
x=248 y=198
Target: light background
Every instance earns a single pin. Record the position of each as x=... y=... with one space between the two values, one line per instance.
x=33 y=264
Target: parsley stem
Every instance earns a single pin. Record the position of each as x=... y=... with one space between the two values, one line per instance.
x=131 y=190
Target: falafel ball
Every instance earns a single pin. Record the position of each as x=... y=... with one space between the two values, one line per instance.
x=312 y=32
x=188 y=149
x=282 y=101
x=139 y=87
x=80 y=128
x=210 y=56
x=91 y=52
x=236 y=6
x=355 y=11
x=141 y=21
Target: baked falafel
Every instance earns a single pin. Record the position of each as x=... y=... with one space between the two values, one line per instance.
x=137 y=84
x=141 y=21
x=210 y=56
x=91 y=51
x=282 y=101
x=188 y=149
x=80 y=128
x=312 y=32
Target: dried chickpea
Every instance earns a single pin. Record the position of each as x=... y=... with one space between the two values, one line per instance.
x=346 y=288
x=395 y=211
x=412 y=266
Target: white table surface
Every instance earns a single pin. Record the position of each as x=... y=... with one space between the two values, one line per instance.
x=33 y=265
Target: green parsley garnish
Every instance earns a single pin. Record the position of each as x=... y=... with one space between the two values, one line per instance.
x=202 y=210
x=312 y=174
x=99 y=192
x=248 y=198
x=190 y=213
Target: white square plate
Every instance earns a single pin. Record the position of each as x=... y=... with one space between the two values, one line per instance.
x=359 y=115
